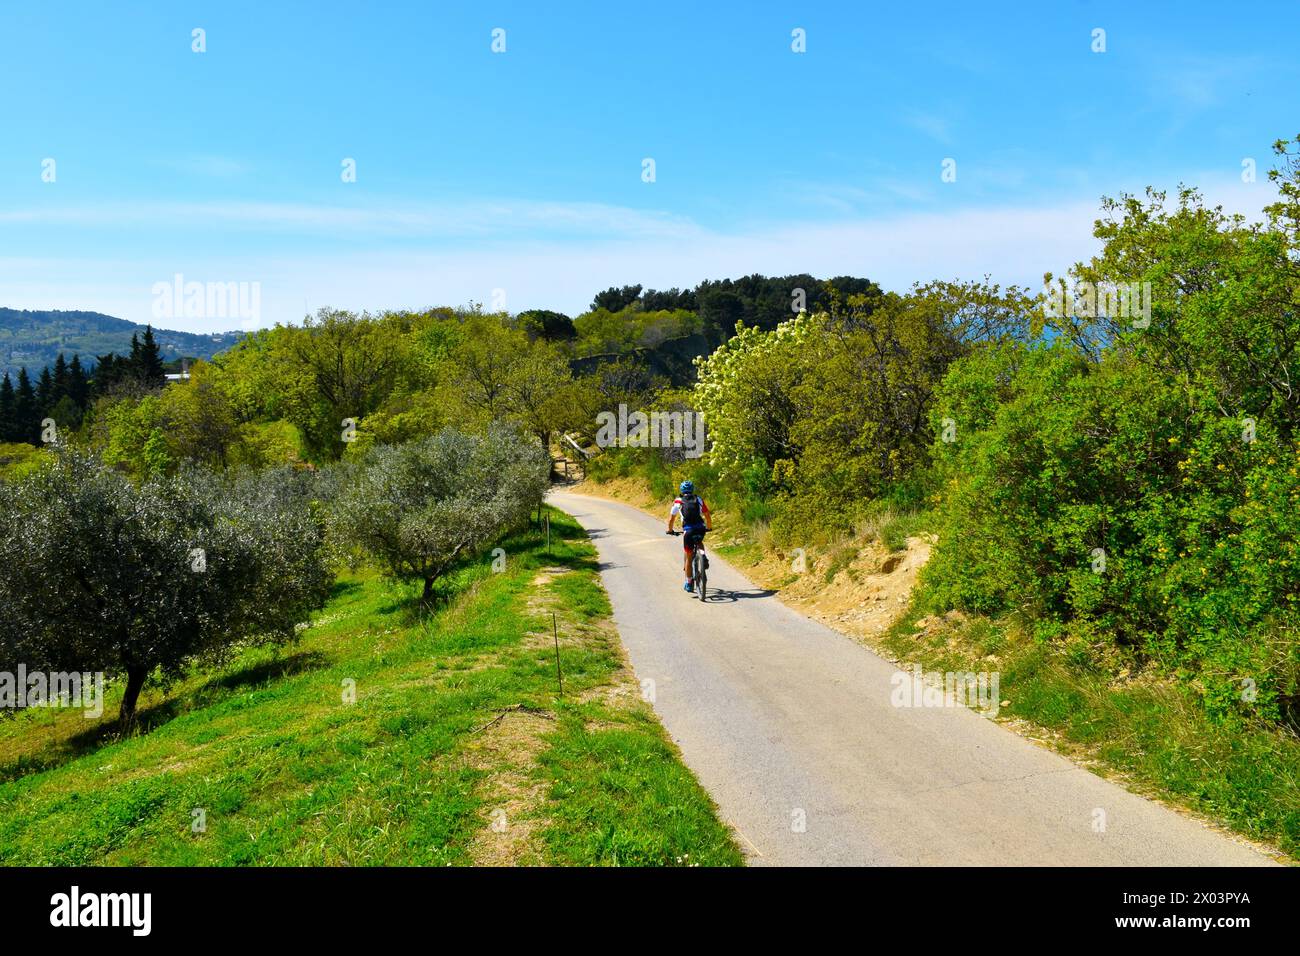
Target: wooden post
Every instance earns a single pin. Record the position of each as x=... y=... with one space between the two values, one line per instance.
x=555 y=631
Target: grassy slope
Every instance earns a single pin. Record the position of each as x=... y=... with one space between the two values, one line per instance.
x=289 y=773
x=1145 y=733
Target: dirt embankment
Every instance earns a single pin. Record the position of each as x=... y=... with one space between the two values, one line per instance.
x=861 y=597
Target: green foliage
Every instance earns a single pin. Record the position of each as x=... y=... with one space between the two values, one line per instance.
x=745 y=391
x=863 y=404
x=19 y=459
x=154 y=460
x=198 y=418
x=545 y=324
x=1169 y=451
x=615 y=299
x=602 y=332
x=267 y=444
x=764 y=302
x=611 y=384
x=99 y=574
x=494 y=373
x=349 y=364
x=61 y=395
x=828 y=412
x=124 y=427
x=419 y=508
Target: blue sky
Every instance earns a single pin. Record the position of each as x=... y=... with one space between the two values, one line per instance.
x=515 y=178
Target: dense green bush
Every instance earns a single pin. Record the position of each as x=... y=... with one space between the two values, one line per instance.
x=420 y=507
x=1134 y=489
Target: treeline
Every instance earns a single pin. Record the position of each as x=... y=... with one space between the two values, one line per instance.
x=282 y=395
x=341 y=383
x=626 y=317
x=34 y=338
x=65 y=392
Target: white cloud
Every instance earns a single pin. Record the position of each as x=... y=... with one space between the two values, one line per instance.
x=1013 y=245
x=477 y=219
x=602 y=246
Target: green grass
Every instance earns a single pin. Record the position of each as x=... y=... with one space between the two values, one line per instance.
x=287 y=772
x=895 y=532
x=622 y=796
x=1152 y=734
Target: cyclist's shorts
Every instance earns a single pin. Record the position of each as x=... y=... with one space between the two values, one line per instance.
x=691 y=538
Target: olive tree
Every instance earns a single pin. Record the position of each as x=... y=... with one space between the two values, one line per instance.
x=98 y=573
x=418 y=508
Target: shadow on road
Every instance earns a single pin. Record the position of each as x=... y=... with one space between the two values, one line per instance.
x=723 y=595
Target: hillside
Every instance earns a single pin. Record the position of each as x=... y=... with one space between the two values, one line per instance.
x=34 y=339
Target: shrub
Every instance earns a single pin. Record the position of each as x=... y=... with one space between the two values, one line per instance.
x=100 y=574
x=1136 y=488
x=418 y=508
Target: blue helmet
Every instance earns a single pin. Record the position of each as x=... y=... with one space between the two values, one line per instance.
x=687 y=488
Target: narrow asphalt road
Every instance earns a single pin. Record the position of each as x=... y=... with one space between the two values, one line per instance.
x=791 y=728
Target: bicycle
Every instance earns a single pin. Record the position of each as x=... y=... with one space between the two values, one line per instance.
x=699 y=567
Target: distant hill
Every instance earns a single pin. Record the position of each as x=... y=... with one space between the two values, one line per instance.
x=34 y=339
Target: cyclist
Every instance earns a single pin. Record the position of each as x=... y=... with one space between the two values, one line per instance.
x=696 y=520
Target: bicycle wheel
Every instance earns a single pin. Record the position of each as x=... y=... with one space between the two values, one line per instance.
x=701 y=576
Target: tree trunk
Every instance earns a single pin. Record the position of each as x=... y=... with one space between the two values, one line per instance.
x=426 y=599
x=134 y=682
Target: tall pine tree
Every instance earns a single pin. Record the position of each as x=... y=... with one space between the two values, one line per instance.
x=8 y=425
x=45 y=392
x=150 y=364
x=110 y=369
x=60 y=379
x=78 y=384
x=27 y=419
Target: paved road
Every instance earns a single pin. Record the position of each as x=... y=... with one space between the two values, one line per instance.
x=791 y=727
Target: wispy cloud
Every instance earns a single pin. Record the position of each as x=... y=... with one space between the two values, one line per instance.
x=1013 y=245
x=936 y=127
x=1198 y=83
x=482 y=219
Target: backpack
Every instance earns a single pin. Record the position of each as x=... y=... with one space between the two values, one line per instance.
x=691 y=514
